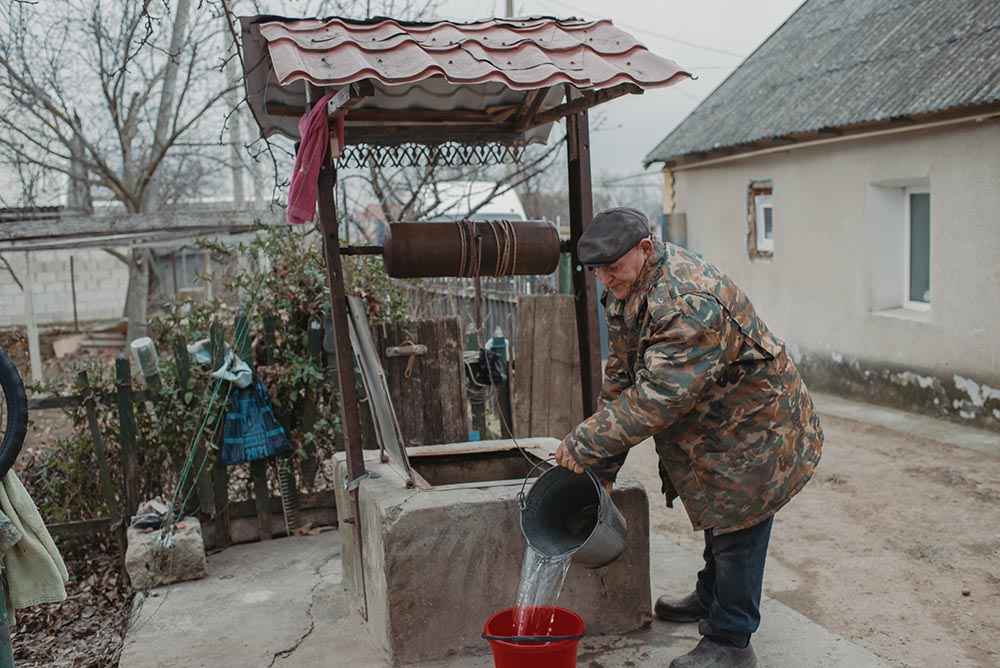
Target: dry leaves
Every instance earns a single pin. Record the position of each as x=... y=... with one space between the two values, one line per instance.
x=84 y=631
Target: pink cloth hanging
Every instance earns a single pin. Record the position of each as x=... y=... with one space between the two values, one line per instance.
x=314 y=131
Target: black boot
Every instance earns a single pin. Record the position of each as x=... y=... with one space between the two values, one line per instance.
x=713 y=654
x=685 y=609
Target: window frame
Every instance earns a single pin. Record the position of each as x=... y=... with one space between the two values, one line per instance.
x=759 y=248
x=908 y=303
x=762 y=202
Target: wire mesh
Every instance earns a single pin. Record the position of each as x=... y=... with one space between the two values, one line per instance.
x=419 y=155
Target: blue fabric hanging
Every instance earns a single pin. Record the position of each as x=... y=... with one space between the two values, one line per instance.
x=251 y=431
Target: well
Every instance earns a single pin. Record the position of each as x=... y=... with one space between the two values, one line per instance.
x=432 y=550
x=442 y=556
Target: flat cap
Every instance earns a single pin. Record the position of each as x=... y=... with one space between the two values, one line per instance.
x=611 y=234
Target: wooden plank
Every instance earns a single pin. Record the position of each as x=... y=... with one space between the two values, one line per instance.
x=127 y=433
x=524 y=364
x=455 y=424
x=312 y=501
x=561 y=365
x=81 y=527
x=193 y=222
x=261 y=497
x=425 y=371
x=103 y=470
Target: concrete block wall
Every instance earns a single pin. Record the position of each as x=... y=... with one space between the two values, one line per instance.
x=101 y=283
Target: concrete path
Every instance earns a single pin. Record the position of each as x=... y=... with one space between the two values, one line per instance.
x=281 y=603
x=949 y=433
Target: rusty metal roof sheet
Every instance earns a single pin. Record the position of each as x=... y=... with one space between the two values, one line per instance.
x=442 y=65
x=846 y=65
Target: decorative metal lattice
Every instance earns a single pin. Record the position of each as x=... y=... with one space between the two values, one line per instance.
x=419 y=155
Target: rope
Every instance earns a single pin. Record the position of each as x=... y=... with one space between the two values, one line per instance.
x=470 y=242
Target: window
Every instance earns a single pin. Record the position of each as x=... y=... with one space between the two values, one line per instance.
x=917 y=253
x=765 y=223
x=899 y=246
x=760 y=219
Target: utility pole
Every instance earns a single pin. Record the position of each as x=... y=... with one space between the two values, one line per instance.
x=510 y=8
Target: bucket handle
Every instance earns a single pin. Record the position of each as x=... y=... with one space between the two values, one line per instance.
x=522 y=502
x=517 y=639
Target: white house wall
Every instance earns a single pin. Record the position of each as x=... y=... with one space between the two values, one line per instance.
x=818 y=292
x=101 y=282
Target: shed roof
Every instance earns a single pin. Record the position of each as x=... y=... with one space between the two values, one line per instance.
x=849 y=65
x=436 y=77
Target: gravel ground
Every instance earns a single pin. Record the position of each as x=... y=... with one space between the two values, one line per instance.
x=881 y=544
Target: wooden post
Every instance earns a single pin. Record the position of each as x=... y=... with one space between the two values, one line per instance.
x=104 y=473
x=349 y=413
x=72 y=287
x=220 y=476
x=127 y=432
x=34 y=349
x=581 y=212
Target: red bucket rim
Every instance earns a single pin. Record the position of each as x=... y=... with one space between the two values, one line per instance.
x=527 y=641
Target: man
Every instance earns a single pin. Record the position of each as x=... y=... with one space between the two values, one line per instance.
x=692 y=365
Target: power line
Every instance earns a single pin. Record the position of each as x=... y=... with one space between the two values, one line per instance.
x=651 y=33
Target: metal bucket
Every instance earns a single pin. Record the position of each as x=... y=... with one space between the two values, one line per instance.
x=570 y=513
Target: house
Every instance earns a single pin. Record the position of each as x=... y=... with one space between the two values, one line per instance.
x=847 y=175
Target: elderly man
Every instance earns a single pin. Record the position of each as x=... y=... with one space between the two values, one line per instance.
x=692 y=365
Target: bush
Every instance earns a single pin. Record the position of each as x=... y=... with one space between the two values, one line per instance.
x=279 y=280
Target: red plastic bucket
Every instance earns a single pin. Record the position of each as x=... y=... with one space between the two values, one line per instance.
x=547 y=647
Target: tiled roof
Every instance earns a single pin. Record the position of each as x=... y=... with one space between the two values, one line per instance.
x=445 y=65
x=521 y=53
x=835 y=64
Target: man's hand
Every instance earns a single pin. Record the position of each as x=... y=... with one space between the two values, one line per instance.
x=564 y=459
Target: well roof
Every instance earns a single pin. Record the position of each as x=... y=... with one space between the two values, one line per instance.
x=434 y=77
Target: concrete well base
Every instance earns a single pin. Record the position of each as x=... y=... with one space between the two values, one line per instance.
x=439 y=560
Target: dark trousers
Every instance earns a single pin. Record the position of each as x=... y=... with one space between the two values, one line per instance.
x=730 y=584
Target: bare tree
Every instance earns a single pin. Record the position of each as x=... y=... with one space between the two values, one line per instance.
x=117 y=96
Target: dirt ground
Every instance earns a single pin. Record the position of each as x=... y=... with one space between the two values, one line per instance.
x=881 y=543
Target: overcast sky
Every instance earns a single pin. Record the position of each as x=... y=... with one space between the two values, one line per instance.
x=706 y=37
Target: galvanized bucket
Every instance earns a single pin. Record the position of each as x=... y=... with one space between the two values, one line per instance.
x=570 y=513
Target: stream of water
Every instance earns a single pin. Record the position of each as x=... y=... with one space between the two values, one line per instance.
x=542 y=581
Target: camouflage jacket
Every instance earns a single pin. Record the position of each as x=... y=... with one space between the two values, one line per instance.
x=692 y=365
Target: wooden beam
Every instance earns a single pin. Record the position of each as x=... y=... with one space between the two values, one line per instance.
x=350 y=416
x=424 y=116
x=82 y=227
x=532 y=103
x=430 y=134
x=581 y=212
x=80 y=528
x=586 y=101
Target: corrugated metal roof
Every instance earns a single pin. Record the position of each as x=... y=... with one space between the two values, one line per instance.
x=443 y=65
x=521 y=53
x=841 y=63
